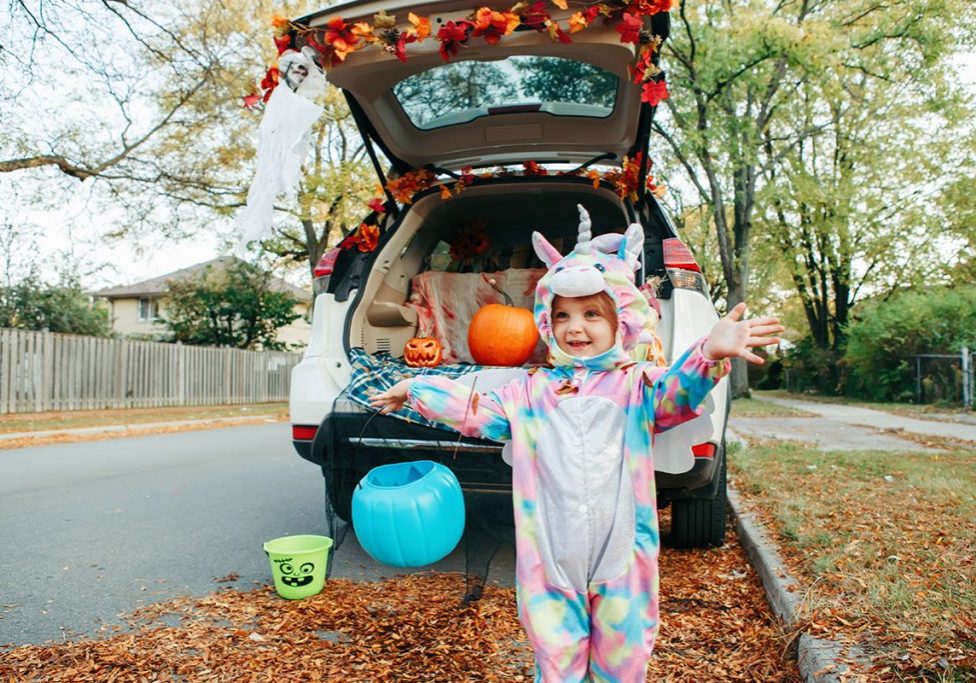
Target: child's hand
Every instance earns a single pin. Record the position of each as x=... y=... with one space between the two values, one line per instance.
x=733 y=337
x=392 y=399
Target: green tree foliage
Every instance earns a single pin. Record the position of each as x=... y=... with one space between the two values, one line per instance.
x=32 y=305
x=887 y=334
x=148 y=110
x=854 y=205
x=957 y=207
x=813 y=368
x=756 y=85
x=234 y=305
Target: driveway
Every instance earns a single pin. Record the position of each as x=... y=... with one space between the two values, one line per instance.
x=844 y=427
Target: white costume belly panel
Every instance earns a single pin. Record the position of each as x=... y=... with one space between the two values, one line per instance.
x=586 y=500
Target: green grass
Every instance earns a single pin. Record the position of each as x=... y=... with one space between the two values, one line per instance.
x=925 y=411
x=30 y=422
x=747 y=407
x=883 y=540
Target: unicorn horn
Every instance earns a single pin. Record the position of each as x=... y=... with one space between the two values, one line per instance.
x=584 y=235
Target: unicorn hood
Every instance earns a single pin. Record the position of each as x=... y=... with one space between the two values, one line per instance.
x=602 y=264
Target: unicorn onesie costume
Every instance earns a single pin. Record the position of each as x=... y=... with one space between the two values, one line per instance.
x=583 y=475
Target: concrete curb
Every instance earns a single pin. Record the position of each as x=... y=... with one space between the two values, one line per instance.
x=819 y=660
x=133 y=427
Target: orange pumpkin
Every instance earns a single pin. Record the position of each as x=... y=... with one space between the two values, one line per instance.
x=502 y=334
x=422 y=352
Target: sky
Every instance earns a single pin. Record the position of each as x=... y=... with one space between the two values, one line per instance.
x=78 y=228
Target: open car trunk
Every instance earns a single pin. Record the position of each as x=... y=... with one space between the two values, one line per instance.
x=431 y=275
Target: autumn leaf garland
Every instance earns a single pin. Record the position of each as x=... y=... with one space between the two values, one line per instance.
x=405 y=187
x=338 y=38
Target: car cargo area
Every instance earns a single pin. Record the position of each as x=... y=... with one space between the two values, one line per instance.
x=432 y=273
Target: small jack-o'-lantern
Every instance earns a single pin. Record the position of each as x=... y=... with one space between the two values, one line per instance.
x=424 y=352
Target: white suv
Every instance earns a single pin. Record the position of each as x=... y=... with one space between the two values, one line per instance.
x=525 y=107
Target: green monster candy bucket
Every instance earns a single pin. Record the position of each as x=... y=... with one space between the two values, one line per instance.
x=298 y=564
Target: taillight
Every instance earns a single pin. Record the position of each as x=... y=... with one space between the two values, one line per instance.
x=326 y=263
x=677 y=255
x=303 y=432
x=703 y=450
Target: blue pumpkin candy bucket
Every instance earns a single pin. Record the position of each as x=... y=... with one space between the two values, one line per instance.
x=408 y=514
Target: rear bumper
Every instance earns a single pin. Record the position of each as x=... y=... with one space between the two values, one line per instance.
x=358 y=442
x=304 y=449
x=700 y=482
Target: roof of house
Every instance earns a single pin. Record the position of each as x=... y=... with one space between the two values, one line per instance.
x=159 y=285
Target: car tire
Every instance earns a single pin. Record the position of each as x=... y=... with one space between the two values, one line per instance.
x=701 y=523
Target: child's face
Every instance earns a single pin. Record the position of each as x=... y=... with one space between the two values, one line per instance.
x=580 y=328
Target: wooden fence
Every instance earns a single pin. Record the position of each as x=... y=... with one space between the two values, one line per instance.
x=45 y=371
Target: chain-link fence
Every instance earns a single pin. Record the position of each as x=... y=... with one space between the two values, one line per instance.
x=943 y=378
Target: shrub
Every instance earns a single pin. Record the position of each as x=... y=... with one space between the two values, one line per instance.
x=812 y=368
x=34 y=305
x=886 y=335
x=769 y=375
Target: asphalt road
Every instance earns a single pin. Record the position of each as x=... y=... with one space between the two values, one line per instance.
x=92 y=530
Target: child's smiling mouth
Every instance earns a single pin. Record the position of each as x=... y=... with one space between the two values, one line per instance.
x=577 y=344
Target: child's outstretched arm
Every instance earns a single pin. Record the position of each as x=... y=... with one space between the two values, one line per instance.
x=392 y=399
x=678 y=392
x=733 y=337
x=451 y=403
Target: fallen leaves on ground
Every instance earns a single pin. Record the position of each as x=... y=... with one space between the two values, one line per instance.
x=716 y=627
x=884 y=546
x=943 y=443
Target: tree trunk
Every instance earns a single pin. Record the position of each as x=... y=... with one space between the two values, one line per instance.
x=739 y=379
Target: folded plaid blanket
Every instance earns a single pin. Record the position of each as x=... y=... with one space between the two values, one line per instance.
x=372 y=374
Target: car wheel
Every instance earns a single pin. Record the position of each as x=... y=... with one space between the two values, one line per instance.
x=701 y=523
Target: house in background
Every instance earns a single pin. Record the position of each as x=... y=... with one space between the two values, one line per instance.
x=136 y=309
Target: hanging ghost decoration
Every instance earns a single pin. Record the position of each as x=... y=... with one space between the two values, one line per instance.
x=283 y=138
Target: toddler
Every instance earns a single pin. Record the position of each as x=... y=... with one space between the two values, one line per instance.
x=583 y=473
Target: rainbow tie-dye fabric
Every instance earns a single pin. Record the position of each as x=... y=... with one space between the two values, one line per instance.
x=587 y=537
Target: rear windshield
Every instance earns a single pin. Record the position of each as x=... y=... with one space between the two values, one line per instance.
x=463 y=91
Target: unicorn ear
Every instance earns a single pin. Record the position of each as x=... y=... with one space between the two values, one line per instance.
x=632 y=245
x=545 y=251
x=608 y=242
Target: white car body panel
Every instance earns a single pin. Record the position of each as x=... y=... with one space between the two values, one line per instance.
x=324 y=370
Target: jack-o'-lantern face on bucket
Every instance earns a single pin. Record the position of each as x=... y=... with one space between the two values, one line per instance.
x=295 y=576
x=422 y=352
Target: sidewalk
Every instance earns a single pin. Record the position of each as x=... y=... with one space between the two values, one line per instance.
x=134 y=427
x=844 y=427
x=877 y=418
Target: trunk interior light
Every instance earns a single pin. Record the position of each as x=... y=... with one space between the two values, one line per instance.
x=303 y=432
x=678 y=255
x=703 y=450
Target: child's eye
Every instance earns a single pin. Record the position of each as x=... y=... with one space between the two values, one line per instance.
x=593 y=314
x=560 y=315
